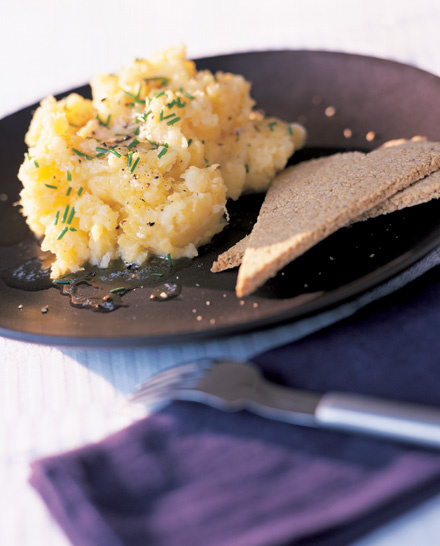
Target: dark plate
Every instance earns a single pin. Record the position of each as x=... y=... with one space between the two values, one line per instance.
x=367 y=94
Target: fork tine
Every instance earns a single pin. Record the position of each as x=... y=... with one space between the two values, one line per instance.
x=224 y=384
x=161 y=386
x=152 y=396
x=171 y=374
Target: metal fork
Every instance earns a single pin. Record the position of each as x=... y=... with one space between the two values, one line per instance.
x=232 y=386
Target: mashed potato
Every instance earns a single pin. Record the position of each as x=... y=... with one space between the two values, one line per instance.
x=146 y=167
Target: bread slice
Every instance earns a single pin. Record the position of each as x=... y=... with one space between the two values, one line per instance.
x=234 y=255
x=328 y=193
x=420 y=192
x=231 y=257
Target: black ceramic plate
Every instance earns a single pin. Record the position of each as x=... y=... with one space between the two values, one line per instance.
x=342 y=100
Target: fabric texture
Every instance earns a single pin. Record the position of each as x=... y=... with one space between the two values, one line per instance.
x=190 y=474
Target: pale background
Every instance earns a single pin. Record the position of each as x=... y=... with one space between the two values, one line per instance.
x=52 y=399
x=49 y=46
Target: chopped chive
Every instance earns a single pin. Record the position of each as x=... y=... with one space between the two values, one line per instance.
x=57 y=217
x=71 y=215
x=138 y=130
x=80 y=191
x=51 y=187
x=73 y=229
x=134 y=165
x=36 y=164
x=190 y=97
x=60 y=281
x=156 y=274
x=66 y=275
x=28 y=157
x=102 y=151
x=133 y=143
x=66 y=212
x=162 y=152
x=272 y=125
x=159 y=94
x=69 y=191
x=161 y=115
x=162 y=79
x=153 y=143
x=170 y=261
x=61 y=235
x=134 y=97
x=289 y=128
x=176 y=102
x=119 y=289
x=114 y=152
x=69 y=176
x=168 y=117
x=143 y=117
x=105 y=151
x=189 y=142
x=104 y=123
x=129 y=158
x=247 y=168
x=139 y=91
x=205 y=160
x=174 y=120
x=81 y=154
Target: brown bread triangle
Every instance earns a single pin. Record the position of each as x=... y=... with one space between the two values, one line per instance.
x=330 y=193
x=234 y=256
x=231 y=257
x=420 y=192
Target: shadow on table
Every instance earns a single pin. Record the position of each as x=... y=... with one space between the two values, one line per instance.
x=125 y=368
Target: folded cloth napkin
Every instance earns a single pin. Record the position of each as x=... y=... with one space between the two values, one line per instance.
x=192 y=475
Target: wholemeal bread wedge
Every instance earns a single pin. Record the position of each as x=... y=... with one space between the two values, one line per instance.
x=234 y=256
x=231 y=257
x=420 y=192
x=328 y=194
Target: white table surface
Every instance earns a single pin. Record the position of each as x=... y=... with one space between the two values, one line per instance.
x=53 y=399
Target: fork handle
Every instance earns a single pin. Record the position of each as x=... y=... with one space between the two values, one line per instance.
x=394 y=420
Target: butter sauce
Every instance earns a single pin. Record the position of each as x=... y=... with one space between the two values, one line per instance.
x=93 y=288
x=103 y=289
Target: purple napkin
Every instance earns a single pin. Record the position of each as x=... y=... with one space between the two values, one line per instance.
x=191 y=475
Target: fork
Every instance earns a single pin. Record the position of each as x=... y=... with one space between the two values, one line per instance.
x=232 y=385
